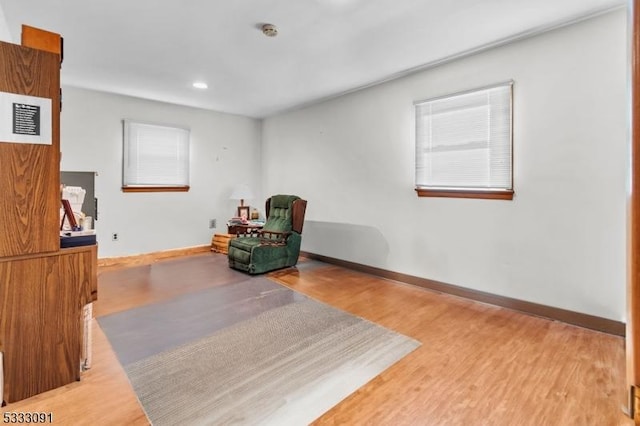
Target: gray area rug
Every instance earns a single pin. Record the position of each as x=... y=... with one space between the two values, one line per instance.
x=248 y=353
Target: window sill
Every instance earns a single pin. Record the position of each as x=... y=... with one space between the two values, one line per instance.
x=155 y=188
x=465 y=193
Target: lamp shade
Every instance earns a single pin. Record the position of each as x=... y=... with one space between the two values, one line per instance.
x=241 y=192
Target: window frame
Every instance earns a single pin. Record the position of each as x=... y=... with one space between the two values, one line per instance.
x=150 y=187
x=465 y=192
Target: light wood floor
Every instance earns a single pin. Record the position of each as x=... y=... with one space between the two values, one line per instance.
x=478 y=364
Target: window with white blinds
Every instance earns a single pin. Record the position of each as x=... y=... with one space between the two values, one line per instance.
x=464 y=144
x=155 y=157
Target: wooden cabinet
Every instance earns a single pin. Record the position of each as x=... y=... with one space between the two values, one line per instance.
x=43 y=289
x=41 y=300
x=30 y=173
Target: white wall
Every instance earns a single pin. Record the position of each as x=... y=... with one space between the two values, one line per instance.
x=225 y=150
x=560 y=242
x=4 y=28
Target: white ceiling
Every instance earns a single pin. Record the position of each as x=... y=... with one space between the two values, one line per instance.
x=157 y=49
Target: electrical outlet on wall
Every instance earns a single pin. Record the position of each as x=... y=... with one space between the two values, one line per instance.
x=114 y=236
x=212 y=223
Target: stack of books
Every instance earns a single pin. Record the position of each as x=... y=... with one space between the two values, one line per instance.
x=77 y=238
x=237 y=221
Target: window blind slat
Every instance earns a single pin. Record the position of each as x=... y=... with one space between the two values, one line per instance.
x=465 y=140
x=155 y=155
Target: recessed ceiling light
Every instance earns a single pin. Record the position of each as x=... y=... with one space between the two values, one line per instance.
x=200 y=85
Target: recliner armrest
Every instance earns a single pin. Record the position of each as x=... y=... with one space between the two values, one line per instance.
x=273 y=237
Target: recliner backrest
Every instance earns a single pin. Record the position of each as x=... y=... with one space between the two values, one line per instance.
x=285 y=213
x=280 y=213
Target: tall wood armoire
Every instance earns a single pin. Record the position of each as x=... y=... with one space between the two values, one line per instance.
x=43 y=289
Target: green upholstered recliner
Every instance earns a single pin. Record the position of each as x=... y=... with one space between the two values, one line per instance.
x=277 y=245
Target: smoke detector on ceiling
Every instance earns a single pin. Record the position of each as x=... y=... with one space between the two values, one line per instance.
x=269 y=30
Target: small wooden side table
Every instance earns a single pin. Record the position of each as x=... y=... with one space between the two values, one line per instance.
x=242 y=229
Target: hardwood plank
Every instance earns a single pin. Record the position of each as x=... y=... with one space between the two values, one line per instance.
x=558 y=314
x=478 y=363
x=126 y=288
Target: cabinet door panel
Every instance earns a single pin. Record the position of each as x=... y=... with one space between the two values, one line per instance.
x=29 y=173
x=40 y=314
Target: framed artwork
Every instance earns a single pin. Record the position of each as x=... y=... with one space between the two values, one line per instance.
x=68 y=214
x=244 y=212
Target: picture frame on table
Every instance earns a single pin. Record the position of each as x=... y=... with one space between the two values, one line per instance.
x=244 y=212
